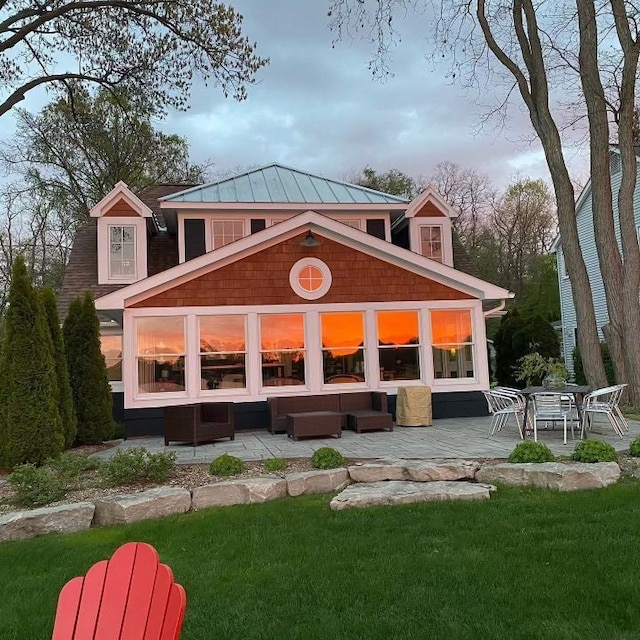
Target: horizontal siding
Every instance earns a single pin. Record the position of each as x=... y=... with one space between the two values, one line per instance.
x=584 y=217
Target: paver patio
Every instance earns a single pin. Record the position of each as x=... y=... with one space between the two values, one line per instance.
x=447 y=438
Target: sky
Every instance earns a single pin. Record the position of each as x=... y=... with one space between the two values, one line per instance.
x=316 y=107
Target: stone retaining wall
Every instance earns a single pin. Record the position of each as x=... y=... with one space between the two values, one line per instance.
x=401 y=476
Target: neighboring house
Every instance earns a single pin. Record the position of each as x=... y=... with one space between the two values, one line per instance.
x=586 y=235
x=279 y=282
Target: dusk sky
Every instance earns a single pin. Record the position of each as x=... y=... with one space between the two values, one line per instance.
x=316 y=107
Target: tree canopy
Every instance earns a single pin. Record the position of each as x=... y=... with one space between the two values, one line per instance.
x=158 y=47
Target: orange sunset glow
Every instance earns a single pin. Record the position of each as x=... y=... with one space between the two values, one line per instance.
x=281 y=331
x=451 y=327
x=160 y=336
x=398 y=327
x=343 y=333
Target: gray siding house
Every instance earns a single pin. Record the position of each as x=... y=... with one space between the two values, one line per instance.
x=588 y=242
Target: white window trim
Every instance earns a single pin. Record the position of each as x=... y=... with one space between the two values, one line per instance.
x=254 y=392
x=446 y=230
x=326 y=278
x=104 y=248
x=562 y=265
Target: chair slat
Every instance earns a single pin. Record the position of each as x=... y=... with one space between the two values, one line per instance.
x=174 y=613
x=67 y=610
x=90 y=601
x=140 y=593
x=116 y=592
x=158 y=608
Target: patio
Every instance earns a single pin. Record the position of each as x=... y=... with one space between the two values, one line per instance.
x=447 y=438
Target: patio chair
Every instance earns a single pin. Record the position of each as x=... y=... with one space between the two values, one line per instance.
x=604 y=401
x=501 y=406
x=129 y=597
x=516 y=393
x=552 y=407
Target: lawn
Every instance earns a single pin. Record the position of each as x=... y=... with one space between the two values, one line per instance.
x=526 y=564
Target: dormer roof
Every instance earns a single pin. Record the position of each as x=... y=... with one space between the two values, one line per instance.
x=121 y=201
x=429 y=204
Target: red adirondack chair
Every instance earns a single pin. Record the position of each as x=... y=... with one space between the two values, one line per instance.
x=130 y=597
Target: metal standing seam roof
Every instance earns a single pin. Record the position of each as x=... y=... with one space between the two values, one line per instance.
x=276 y=183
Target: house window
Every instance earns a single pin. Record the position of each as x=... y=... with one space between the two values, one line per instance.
x=398 y=345
x=452 y=343
x=226 y=231
x=223 y=350
x=431 y=242
x=111 y=347
x=282 y=349
x=160 y=354
x=310 y=278
x=122 y=251
x=343 y=353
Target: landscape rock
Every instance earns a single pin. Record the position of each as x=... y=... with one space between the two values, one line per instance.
x=321 y=481
x=241 y=491
x=434 y=470
x=146 y=505
x=65 y=518
x=417 y=470
x=552 y=475
x=404 y=492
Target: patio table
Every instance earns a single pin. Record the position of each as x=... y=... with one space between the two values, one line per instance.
x=578 y=391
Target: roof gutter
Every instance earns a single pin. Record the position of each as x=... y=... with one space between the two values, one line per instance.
x=496 y=311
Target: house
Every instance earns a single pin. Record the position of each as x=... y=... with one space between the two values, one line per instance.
x=586 y=235
x=280 y=282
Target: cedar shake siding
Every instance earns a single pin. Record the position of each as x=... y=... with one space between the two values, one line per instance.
x=263 y=279
x=121 y=208
x=429 y=210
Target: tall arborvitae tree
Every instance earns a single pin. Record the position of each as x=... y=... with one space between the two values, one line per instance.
x=88 y=372
x=65 y=400
x=30 y=424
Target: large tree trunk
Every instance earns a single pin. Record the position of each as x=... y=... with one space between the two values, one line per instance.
x=533 y=87
x=628 y=233
x=602 y=200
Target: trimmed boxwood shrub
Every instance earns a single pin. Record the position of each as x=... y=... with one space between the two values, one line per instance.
x=275 y=464
x=530 y=451
x=327 y=458
x=594 y=451
x=226 y=465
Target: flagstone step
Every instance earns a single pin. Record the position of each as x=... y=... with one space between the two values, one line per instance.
x=390 y=492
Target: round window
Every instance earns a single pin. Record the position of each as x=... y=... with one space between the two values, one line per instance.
x=310 y=278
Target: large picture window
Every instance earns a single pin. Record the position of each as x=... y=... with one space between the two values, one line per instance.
x=398 y=345
x=223 y=347
x=282 y=349
x=111 y=347
x=452 y=343
x=226 y=231
x=431 y=242
x=160 y=354
x=122 y=251
x=343 y=352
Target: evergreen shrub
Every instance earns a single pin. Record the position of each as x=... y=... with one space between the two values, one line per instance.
x=327 y=458
x=275 y=464
x=634 y=448
x=226 y=465
x=530 y=451
x=594 y=451
x=137 y=465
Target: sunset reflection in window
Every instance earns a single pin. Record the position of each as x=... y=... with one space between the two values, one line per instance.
x=160 y=354
x=222 y=352
x=343 y=347
x=282 y=347
x=398 y=345
x=452 y=340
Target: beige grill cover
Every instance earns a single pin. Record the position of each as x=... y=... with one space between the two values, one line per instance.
x=413 y=407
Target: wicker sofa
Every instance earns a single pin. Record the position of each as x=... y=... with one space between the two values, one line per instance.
x=360 y=410
x=197 y=423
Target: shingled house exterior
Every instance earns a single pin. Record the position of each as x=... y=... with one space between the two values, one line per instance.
x=279 y=282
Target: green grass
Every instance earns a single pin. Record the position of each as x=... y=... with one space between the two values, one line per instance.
x=526 y=564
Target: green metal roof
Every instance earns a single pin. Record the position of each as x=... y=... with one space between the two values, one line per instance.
x=276 y=183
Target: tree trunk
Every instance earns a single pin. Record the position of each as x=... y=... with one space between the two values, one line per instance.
x=602 y=200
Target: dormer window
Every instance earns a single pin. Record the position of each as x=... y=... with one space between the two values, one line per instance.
x=122 y=236
x=122 y=251
x=431 y=242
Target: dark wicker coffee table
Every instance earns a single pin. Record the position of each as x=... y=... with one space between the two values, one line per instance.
x=314 y=423
x=364 y=420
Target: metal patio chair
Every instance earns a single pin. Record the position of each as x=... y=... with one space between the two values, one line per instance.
x=552 y=407
x=606 y=402
x=502 y=406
